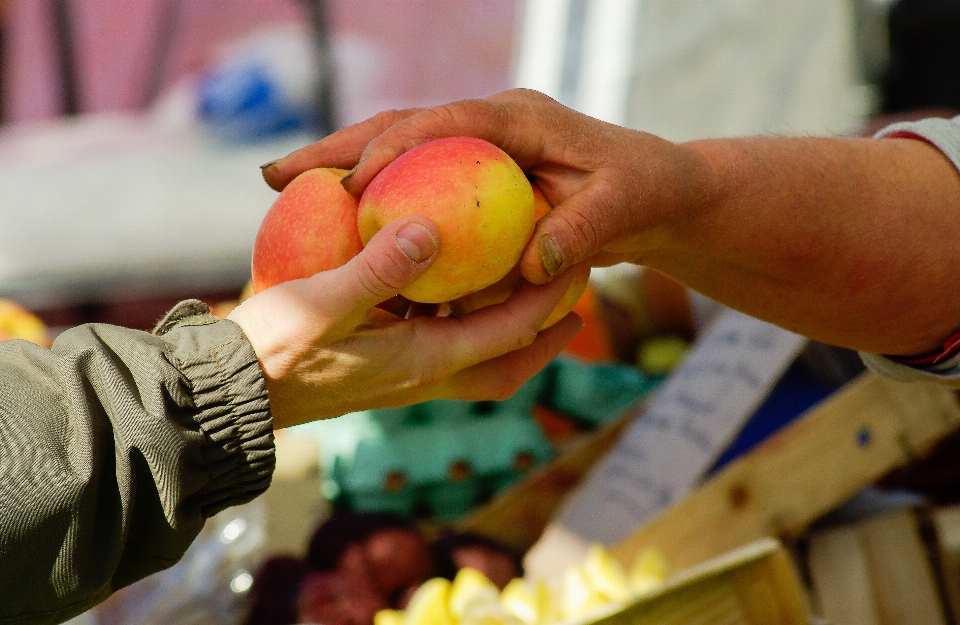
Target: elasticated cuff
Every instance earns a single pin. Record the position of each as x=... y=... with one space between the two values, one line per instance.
x=230 y=398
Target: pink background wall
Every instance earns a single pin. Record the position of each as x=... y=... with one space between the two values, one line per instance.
x=428 y=51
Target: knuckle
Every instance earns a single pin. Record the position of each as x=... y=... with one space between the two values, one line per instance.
x=385 y=119
x=381 y=279
x=524 y=93
x=426 y=369
x=442 y=116
x=385 y=124
x=371 y=286
x=526 y=339
x=582 y=228
x=415 y=378
x=483 y=118
x=429 y=373
x=402 y=130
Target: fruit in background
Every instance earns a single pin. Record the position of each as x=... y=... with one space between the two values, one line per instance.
x=659 y=355
x=648 y=571
x=222 y=309
x=247 y=292
x=471 y=589
x=529 y=601
x=509 y=284
x=599 y=584
x=607 y=576
x=16 y=322
x=480 y=200
x=388 y=617
x=429 y=604
x=594 y=342
x=311 y=227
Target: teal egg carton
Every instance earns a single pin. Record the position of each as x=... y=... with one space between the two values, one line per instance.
x=441 y=457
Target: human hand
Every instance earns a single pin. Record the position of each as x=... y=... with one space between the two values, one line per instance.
x=616 y=192
x=326 y=349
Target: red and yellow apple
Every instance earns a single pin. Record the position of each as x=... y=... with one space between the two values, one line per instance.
x=311 y=227
x=480 y=200
x=509 y=284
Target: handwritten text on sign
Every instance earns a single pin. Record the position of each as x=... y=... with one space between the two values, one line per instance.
x=690 y=422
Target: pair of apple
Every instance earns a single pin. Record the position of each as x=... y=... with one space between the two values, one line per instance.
x=479 y=198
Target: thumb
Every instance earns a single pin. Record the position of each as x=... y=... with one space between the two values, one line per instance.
x=390 y=262
x=567 y=235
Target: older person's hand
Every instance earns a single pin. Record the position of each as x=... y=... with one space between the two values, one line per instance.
x=593 y=173
x=326 y=349
x=849 y=241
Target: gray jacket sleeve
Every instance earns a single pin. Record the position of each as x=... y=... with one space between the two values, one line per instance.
x=115 y=446
x=944 y=134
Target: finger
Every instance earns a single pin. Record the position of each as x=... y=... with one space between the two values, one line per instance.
x=507 y=120
x=391 y=261
x=341 y=149
x=500 y=378
x=458 y=343
x=574 y=231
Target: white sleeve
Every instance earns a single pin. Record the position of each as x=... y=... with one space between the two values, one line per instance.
x=944 y=134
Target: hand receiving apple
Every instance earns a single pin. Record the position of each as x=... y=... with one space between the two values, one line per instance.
x=326 y=349
x=595 y=174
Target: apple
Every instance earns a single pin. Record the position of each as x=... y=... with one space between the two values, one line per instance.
x=311 y=227
x=480 y=200
x=509 y=284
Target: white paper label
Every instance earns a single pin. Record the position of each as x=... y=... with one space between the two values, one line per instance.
x=691 y=421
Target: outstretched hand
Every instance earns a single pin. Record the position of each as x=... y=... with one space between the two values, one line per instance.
x=772 y=226
x=595 y=174
x=326 y=349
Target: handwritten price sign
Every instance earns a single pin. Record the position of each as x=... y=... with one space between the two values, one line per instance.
x=690 y=422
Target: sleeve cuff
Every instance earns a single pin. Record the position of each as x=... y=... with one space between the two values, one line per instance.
x=941 y=367
x=943 y=134
x=946 y=373
x=230 y=404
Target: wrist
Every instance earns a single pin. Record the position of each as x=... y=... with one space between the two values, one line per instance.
x=691 y=195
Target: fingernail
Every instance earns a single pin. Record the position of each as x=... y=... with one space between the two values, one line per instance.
x=550 y=254
x=350 y=173
x=273 y=162
x=416 y=242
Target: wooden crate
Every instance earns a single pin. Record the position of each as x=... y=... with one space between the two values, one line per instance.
x=840 y=446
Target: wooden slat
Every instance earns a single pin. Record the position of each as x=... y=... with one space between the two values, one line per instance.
x=517 y=516
x=840 y=577
x=802 y=472
x=946 y=525
x=901 y=571
x=756 y=585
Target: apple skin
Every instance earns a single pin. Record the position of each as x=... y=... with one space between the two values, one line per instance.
x=311 y=227
x=499 y=292
x=480 y=200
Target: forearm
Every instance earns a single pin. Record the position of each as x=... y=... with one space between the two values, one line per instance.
x=854 y=242
x=115 y=446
